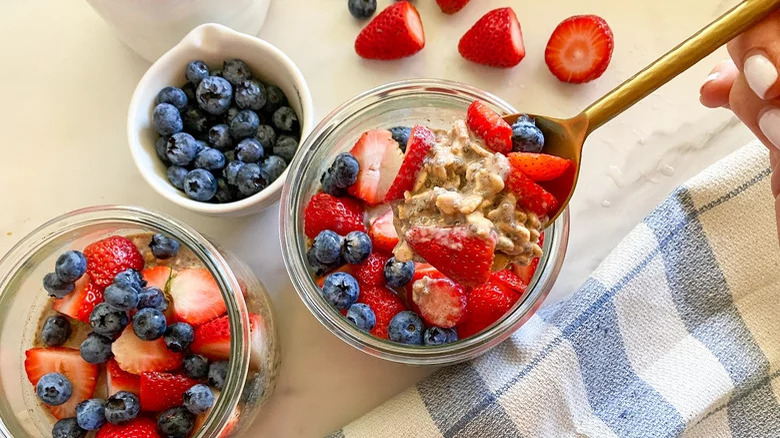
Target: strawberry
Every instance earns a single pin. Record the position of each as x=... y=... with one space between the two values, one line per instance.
x=196 y=296
x=385 y=304
x=451 y=6
x=580 y=49
x=380 y=159
x=507 y=279
x=120 y=380
x=110 y=256
x=157 y=276
x=486 y=305
x=383 y=234
x=455 y=252
x=441 y=302
x=539 y=167
x=229 y=428
x=495 y=40
x=421 y=140
x=488 y=125
x=395 y=33
x=136 y=356
x=141 y=427
x=79 y=303
x=530 y=195
x=346 y=268
x=161 y=391
x=82 y=375
x=421 y=270
x=212 y=339
x=327 y=212
x=372 y=271
x=526 y=273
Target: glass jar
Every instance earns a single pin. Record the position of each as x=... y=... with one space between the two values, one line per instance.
x=23 y=300
x=434 y=103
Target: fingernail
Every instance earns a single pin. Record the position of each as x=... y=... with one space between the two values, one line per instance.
x=712 y=77
x=760 y=74
x=769 y=122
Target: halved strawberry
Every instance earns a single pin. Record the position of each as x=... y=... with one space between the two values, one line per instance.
x=494 y=40
x=327 y=212
x=346 y=268
x=157 y=276
x=118 y=379
x=580 y=49
x=530 y=195
x=442 y=303
x=508 y=279
x=539 y=167
x=372 y=271
x=161 y=391
x=395 y=33
x=380 y=159
x=82 y=375
x=383 y=234
x=79 y=303
x=385 y=304
x=488 y=125
x=136 y=356
x=110 y=256
x=196 y=296
x=140 y=427
x=526 y=273
x=229 y=428
x=212 y=339
x=421 y=140
x=456 y=252
x=486 y=305
x=451 y=6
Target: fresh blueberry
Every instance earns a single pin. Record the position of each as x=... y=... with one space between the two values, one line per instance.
x=357 y=247
x=401 y=135
x=176 y=175
x=56 y=330
x=96 y=349
x=244 y=124
x=275 y=98
x=198 y=399
x=328 y=247
x=345 y=170
x=340 y=289
x=219 y=136
x=196 y=72
x=108 y=321
x=54 y=389
x=181 y=149
x=398 y=273
x=439 y=336
x=91 y=414
x=526 y=136
x=218 y=374
x=361 y=316
x=318 y=267
x=189 y=91
x=196 y=366
x=152 y=298
x=249 y=150
x=250 y=94
x=231 y=171
x=194 y=120
x=285 y=119
x=160 y=146
x=273 y=166
x=286 y=145
x=68 y=428
x=361 y=8
x=328 y=181
x=200 y=185
x=225 y=192
x=122 y=407
x=251 y=179
x=176 y=423
x=209 y=159
x=214 y=95
x=174 y=96
x=163 y=247
x=266 y=136
x=236 y=71
x=166 y=119
x=122 y=297
x=70 y=266
x=56 y=287
x=149 y=324
x=407 y=328
x=179 y=336
x=130 y=278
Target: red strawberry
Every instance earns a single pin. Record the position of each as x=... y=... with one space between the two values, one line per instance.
x=395 y=33
x=229 y=428
x=346 y=268
x=539 y=167
x=421 y=140
x=526 y=273
x=441 y=302
x=380 y=159
x=421 y=270
x=385 y=304
x=488 y=125
x=451 y=6
x=486 y=305
x=110 y=256
x=212 y=339
x=82 y=375
x=509 y=280
x=372 y=271
x=530 y=195
x=136 y=356
x=327 y=212
x=455 y=252
x=140 y=427
x=161 y=391
x=196 y=296
x=383 y=234
x=79 y=303
x=120 y=380
x=157 y=276
x=494 y=40
x=580 y=49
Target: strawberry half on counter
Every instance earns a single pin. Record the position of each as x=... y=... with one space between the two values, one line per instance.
x=395 y=33
x=580 y=49
x=451 y=6
x=495 y=40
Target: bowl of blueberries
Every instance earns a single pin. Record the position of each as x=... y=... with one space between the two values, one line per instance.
x=215 y=121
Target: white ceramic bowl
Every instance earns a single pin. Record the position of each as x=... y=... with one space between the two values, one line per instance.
x=212 y=43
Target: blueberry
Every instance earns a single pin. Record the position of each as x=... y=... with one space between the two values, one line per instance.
x=250 y=94
x=174 y=96
x=130 y=278
x=163 y=247
x=196 y=72
x=286 y=145
x=176 y=423
x=68 y=428
x=218 y=374
x=285 y=119
x=198 y=399
x=122 y=297
x=361 y=316
x=401 y=135
x=56 y=287
x=96 y=349
x=526 y=137
x=328 y=181
x=152 y=298
x=176 y=175
x=219 y=136
x=91 y=414
x=194 y=120
x=209 y=159
x=275 y=98
x=398 y=273
x=249 y=150
x=181 y=149
x=266 y=136
x=361 y=8
x=214 y=95
x=328 y=247
x=345 y=170
x=108 y=321
x=160 y=146
x=236 y=71
x=439 y=336
x=225 y=192
x=231 y=171
x=179 y=336
x=244 y=124
x=149 y=324
x=54 y=389
x=166 y=119
x=407 y=328
x=251 y=179
x=340 y=289
x=56 y=330
x=200 y=185
x=357 y=247
x=318 y=267
x=189 y=91
x=196 y=366
x=273 y=166
x=70 y=266
x=122 y=407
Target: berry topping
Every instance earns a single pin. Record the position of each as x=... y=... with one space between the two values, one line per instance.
x=494 y=40
x=406 y=328
x=110 y=256
x=66 y=361
x=107 y=320
x=218 y=374
x=420 y=142
x=179 y=336
x=198 y=399
x=141 y=427
x=397 y=273
x=161 y=391
x=486 y=305
x=196 y=366
x=196 y=296
x=326 y=212
x=176 y=422
x=122 y=407
x=530 y=195
x=68 y=428
x=327 y=247
x=120 y=380
x=341 y=290
x=539 y=167
x=395 y=33
x=439 y=336
x=357 y=247
x=149 y=324
x=401 y=135
x=55 y=286
x=96 y=349
x=488 y=125
x=157 y=276
x=54 y=389
x=526 y=136
x=580 y=49
x=380 y=160
x=385 y=304
x=56 y=330
x=383 y=234
x=361 y=316
x=372 y=271
x=91 y=414
x=441 y=302
x=137 y=356
x=70 y=266
x=79 y=304
x=121 y=297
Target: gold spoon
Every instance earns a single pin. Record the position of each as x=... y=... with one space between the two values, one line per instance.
x=565 y=137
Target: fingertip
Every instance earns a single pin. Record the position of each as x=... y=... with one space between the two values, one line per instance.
x=714 y=92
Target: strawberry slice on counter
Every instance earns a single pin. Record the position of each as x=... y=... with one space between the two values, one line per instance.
x=119 y=380
x=80 y=303
x=441 y=301
x=212 y=339
x=451 y=6
x=110 y=256
x=136 y=356
x=486 y=305
x=489 y=126
x=82 y=375
x=157 y=276
x=327 y=212
x=140 y=427
x=196 y=296
x=385 y=304
x=380 y=160
x=161 y=391
x=395 y=33
x=372 y=271
x=421 y=140
x=539 y=167
x=383 y=235
x=580 y=49
x=530 y=195
x=495 y=40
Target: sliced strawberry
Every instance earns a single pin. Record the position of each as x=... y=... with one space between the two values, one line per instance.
x=110 y=256
x=580 y=49
x=451 y=6
x=395 y=33
x=119 y=380
x=456 y=252
x=327 y=212
x=441 y=302
x=486 y=305
x=196 y=296
x=494 y=40
x=161 y=391
x=488 y=125
x=380 y=159
x=421 y=140
x=539 y=167
x=346 y=268
x=372 y=271
x=82 y=375
x=136 y=356
x=383 y=234
x=526 y=273
x=422 y=270
x=508 y=279
x=79 y=303
x=141 y=427
x=212 y=339
x=229 y=428
x=385 y=304
x=530 y=195
x=157 y=276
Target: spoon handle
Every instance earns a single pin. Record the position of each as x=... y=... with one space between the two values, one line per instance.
x=677 y=60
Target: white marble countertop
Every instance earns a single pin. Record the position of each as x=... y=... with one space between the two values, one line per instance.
x=66 y=81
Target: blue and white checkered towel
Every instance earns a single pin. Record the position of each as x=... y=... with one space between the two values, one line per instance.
x=677 y=333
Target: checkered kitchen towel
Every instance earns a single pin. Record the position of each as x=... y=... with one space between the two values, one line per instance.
x=676 y=334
